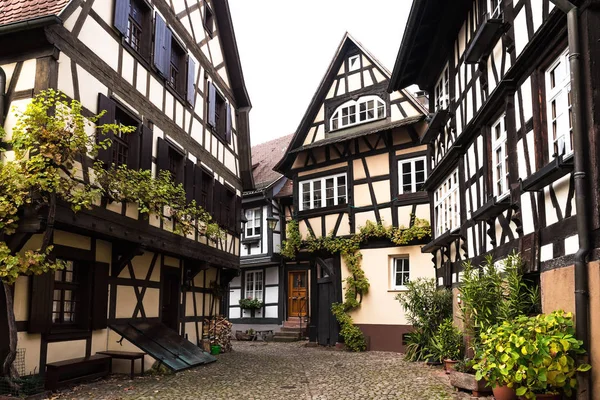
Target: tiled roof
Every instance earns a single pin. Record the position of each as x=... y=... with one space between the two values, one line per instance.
x=12 y=11
x=264 y=158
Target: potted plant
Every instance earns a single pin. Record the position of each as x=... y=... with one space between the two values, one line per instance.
x=251 y=304
x=534 y=355
x=448 y=344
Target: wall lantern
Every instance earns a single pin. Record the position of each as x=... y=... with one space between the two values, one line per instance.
x=272 y=222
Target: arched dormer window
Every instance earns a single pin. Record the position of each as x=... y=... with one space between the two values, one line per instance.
x=354 y=112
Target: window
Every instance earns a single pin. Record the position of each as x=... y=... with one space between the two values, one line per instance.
x=323 y=192
x=495 y=8
x=254 y=285
x=121 y=141
x=177 y=76
x=442 y=91
x=559 y=107
x=412 y=173
x=253 y=225
x=354 y=63
x=133 y=20
x=208 y=21
x=66 y=295
x=447 y=205
x=500 y=158
x=400 y=273
x=205 y=190
x=219 y=113
x=365 y=109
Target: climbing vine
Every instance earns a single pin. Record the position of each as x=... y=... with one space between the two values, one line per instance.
x=357 y=284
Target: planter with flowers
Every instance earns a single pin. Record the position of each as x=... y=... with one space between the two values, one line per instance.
x=251 y=304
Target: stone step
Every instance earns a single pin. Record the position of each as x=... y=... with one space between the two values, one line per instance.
x=287 y=334
x=285 y=339
x=293 y=329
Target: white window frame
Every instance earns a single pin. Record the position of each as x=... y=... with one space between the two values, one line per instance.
x=323 y=192
x=251 y=223
x=442 y=90
x=413 y=177
x=447 y=205
x=353 y=108
x=500 y=184
x=258 y=287
x=495 y=9
x=356 y=66
x=404 y=263
x=558 y=107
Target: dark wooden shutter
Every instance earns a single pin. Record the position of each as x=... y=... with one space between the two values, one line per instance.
x=105 y=104
x=224 y=206
x=162 y=157
x=121 y=16
x=228 y=124
x=188 y=184
x=146 y=140
x=162 y=47
x=40 y=306
x=133 y=153
x=238 y=215
x=212 y=105
x=99 y=306
x=216 y=204
x=191 y=93
x=198 y=175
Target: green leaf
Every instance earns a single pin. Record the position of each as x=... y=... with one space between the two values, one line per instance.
x=584 y=367
x=521 y=390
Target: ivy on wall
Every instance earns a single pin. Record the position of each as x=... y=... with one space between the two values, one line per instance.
x=357 y=284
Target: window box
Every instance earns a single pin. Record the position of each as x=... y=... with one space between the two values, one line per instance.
x=483 y=42
x=548 y=174
x=491 y=209
x=441 y=241
x=438 y=120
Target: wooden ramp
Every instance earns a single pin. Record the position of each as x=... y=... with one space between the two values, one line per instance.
x=163 y=344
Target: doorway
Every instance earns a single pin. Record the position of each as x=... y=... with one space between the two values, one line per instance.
x=297 y=293
x=170 y=298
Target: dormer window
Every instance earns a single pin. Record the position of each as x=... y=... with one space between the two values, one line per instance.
x=365 y=109
x=354 y=63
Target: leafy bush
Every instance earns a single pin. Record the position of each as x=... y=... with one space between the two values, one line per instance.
x=534 y=355
x=426 y=309
x=250 y=304
x=447 y=343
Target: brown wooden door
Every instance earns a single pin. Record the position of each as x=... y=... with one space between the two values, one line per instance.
x=170 y=298
x=297 y=293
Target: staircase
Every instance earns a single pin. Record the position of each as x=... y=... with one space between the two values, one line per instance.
x=293 y=330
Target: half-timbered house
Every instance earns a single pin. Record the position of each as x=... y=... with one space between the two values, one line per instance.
x=261 y=275
x=357 y=157
x=509 y=165
x=171 y=69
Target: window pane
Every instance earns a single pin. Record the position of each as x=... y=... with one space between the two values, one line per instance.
x=329 y=192
x=306 y=196
x=317 y=194
x=381 y=111
x=341 y=182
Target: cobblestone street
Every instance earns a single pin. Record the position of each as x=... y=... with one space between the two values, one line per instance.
x=283 y=371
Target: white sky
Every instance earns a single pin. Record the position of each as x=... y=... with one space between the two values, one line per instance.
x=286 y=46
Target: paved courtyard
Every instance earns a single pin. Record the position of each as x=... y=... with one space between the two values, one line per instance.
x=283 y=371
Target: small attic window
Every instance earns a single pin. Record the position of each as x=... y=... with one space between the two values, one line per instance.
x=354 y=63
x=209 y=20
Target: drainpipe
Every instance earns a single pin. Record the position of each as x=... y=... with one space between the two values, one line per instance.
x=581 y=272
x=2 y=95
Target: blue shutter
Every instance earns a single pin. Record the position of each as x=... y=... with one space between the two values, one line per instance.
x=212 y=104
x=161 y=55
x=191 y=94
x=228 y=126
x=167 y=54
x=121 y=16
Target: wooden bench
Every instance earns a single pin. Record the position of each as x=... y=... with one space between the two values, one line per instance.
x=125 y=355
x=78 y=369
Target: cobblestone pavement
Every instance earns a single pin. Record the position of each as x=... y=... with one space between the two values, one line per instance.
x=283 y=371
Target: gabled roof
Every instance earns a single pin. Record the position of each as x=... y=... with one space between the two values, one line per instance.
x=347 y=43
x=12 y=11
x=264 y=158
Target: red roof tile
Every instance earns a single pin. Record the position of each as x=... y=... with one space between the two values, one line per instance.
x=12 y=11
x=264 y=158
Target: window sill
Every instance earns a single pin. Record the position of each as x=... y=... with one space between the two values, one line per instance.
x=398 y=290
x=319 y=211
x=251 y=240
x=548 y=174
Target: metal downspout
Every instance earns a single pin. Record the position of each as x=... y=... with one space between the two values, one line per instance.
x=583 y=231
x=2 y=95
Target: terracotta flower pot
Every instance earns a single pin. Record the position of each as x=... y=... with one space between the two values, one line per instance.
x=504 y=393
x=449 y=365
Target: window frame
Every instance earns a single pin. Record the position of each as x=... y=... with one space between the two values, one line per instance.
x=146 y=26
x=394 y=272
x=352 y=110
x=356 y=67
x=447 y=196
x=323 y=192
x=254 y=290
x=412 y=162
x=494 y=10
x=441 y=90
x=75 y=286
x=178 y=55
x=499 y=144
x=208 y=20
x=556 y=94
x=254 y=213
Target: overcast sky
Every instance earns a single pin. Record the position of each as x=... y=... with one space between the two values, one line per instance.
x=286 y=47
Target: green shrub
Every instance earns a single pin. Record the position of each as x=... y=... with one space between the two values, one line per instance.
x=447 y=343
x=534 y=355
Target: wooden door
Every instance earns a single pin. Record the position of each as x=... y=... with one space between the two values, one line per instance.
x=297 y=293
x=170 y=298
